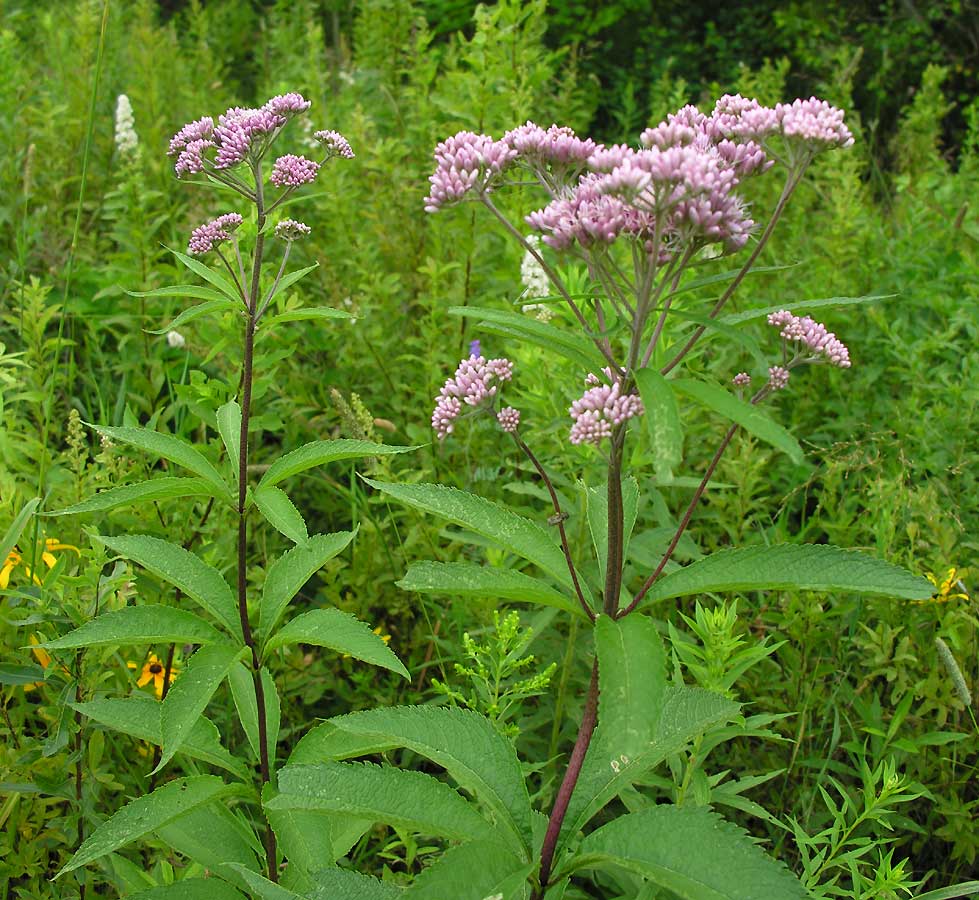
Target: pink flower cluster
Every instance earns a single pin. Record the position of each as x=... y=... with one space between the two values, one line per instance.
x=292 y=171
x=475 y=382
x=291 y=230
x=814 y=123
x=557 y=147
x=206 y=237
x=742 y=379
x=778 y=377
x=812 y=334
x=509 y=419
x=335 y=143
x=465 y=162
x=601 y=408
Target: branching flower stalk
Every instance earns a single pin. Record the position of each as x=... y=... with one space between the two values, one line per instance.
x=639 y=219
x=240 y=141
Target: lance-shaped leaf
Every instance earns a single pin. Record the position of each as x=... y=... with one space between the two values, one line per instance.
x=202 y=583
x=264 y=889
x=190 y=889
x=319 y=453
x=307 y=313
x=139 y=716
x=191 y=692
x=749 y=417
x=229 y=427
x=657 y=843
x=12 y=534
x=803 y=305
x=460 y=579
x=197 y=291
x=338 y=631
x=596 y=501
x=569 y=344
x=398 y=797
x=281 y=513
x=465 y=744
x=521 y=536
x=149 y=624
x=172 y=448
x=812 y=567
x=287 y=281
x=345 y=884
x=163 y=488
x=221 y=304
x=475 y=871
x=145 y=814
x=243 y=692
x=221 y=282
x=292 y=570
x=662 y=418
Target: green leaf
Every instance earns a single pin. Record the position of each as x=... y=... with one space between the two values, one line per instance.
x=280 y=512
x=344 y=884
x=229 y=427
x=657 y=842
x=195 y=312
x=319 y=453
x=225 y=286
x=478 y=870
x=145 y=814
x=199 y=581
x=191 y=692
x=811 y=567
x=596 y=504
x=686 y=713
x=310 y=312
x=571 y=345
x=148 y=624
x=18 y=675
x=163 y=488
x=760 y=312
x=243 y=692
x=962 y=889
x=180 y=290
x=472 y=580
x=749 y=417
x=292 y=570
x=139 y=716
x=398 y=797
x=172 y=448
x=465 y=744
x=212 y=836
x=263 y=888
x=338 y=631
x=662 y=417
x=287 y=281
x=724 y=277
x=190 y=889
x=12 y=534
x=512 y=532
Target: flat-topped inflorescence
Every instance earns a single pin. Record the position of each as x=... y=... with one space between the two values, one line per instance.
x=602 y=407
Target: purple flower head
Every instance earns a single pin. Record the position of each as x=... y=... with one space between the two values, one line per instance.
x=509 y=419
x=201 y=130
x=292 y=171
x=742 y=379
x=242 y=132
x=812 y=334
x=778 y=377
x=463 y=163
x=191 y=159
x=475 y=349
x=335 y=143
x=602 y=407
x=815 y=123
x=604 y=159
x=556 y=151
x=475 y=383
x=287 y=105
x=291 y=230
x=206 y=237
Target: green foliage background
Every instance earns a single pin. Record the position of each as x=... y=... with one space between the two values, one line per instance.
x=892 y=441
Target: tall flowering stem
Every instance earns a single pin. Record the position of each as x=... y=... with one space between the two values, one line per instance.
x=638 y=219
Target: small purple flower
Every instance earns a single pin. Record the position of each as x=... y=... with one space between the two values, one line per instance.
x=509 y=419
x=201 y=130
x=206 y=237
x=291 y=230
x=813 y=334
x=335 y=143
x=778 y=377
x=815 y=123
x=475 y=348
x=466 y=162
x=475 y=383
x=601 y=408
x=742 y=379
x=290 y=104
x=291 y=171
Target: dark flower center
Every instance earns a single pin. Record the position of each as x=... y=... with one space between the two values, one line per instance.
x=156 y=668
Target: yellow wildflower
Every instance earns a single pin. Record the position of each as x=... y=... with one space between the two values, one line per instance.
x=15 y=559
x=155 y=671
x=944 y=593
x=379 y=632
x=44 y=658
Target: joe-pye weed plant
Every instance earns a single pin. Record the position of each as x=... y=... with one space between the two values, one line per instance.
x=227 y=825
x=651 y=228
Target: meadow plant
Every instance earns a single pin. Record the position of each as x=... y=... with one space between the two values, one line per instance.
x=239 y=639
x=644 y=222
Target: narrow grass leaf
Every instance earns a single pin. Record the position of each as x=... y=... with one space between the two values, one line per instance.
x=813 y=567
x=147 y=624
x=12 y=534
x=337 y=631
